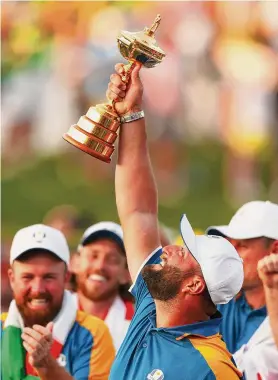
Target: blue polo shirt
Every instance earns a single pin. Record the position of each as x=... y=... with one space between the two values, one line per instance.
x=88 y=351
x=186 y=352
x=239 y=322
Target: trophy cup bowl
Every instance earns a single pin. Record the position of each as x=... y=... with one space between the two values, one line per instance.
x=96 y=132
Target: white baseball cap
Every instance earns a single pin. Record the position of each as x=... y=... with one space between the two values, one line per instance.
x=252 y=220
x=99 y=230
x=221 y=265
x=39 y=236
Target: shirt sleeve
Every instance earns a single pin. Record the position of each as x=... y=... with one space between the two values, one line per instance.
x=223 y=370
x=102 y=356
x=139 y=288
x=96 y=354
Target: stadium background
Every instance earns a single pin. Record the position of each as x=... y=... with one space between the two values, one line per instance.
x=212 y=110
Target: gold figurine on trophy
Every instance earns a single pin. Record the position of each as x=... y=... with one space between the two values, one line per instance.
x=96 y=131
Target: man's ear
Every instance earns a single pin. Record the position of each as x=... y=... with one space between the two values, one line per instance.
x=74 y=264
x=11 y=277
x=68 y=275
x=195 y=285
x=274 y=247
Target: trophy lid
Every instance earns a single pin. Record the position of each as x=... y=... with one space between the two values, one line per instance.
x=143 y=40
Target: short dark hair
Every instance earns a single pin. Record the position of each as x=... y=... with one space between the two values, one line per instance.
x=30 y=253
x=107 y=235
x=268 y=241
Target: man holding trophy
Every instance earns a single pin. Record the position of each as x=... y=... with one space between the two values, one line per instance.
x=174 y=333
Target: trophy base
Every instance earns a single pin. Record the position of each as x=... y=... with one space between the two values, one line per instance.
x=105 y=157
x=95 y=132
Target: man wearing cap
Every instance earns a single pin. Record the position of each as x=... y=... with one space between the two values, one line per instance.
x=103 y=279
x=253 y=231
x=258 y=358
x=43 y=334
x=174 y=333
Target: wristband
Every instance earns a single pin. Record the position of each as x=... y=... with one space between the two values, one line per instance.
x=132 y=117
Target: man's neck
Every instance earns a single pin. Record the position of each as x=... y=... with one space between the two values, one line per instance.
x=170 y=315
x=96 y=308
x=255 y=297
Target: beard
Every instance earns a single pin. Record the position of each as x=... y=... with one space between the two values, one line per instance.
x=92 y=293
x=38 y=317
x=163 y=284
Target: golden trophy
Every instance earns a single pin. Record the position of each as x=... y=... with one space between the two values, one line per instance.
x=96 y=131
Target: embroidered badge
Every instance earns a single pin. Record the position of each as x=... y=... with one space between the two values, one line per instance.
x=62 y=360
x=156 y=374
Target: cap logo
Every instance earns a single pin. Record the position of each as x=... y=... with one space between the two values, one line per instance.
x=39 y=236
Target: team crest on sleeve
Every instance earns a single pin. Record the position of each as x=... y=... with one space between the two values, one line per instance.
x=156 y=374
x=62 y=360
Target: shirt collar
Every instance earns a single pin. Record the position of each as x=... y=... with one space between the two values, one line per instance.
x=204 y=328
x=241 y=299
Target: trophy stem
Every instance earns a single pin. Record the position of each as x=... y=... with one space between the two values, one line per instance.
x=128 y=70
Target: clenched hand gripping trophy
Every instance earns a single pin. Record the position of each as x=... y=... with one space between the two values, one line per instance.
x=96 y=131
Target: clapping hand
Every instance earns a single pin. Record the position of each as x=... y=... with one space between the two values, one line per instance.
x=37 y=341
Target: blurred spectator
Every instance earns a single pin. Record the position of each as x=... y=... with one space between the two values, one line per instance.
x=44 y=335
x=64 y=218
x=253 y=231
x=259 y=354
x=102 y=278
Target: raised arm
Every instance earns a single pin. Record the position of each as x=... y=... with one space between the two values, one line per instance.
x=136 y=193
x=268 y=272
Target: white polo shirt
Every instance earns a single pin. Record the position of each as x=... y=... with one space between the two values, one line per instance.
x=258 y=358
x=117 y=319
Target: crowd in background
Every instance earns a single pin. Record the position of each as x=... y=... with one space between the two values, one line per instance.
x=217 y=83
x=211 y=113
x=219 y=80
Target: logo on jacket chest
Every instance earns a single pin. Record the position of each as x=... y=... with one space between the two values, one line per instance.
x=156 y=374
